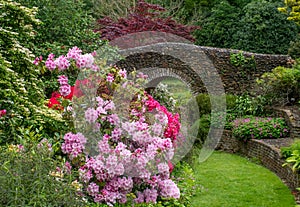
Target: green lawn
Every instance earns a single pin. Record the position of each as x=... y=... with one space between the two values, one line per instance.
x=231 y=181
x=178 y=88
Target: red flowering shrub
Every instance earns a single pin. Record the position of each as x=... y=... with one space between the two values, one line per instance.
x=54 y=101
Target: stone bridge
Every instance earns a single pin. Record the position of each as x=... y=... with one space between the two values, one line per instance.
x=201 y=68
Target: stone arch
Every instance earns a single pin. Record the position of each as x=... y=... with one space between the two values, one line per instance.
x=160 y=66
x=185 y=60
x=156 y=75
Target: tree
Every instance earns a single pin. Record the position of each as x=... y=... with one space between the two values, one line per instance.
x=219 y=27
x=254 y=26
x=292 y=9
x=21 y=92
x=64 y=24
x=263 y=29
x=143 y=17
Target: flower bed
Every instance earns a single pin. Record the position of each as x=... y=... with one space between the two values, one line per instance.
x=259 y=128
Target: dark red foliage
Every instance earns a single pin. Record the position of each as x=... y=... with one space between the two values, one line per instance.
x=143 y=17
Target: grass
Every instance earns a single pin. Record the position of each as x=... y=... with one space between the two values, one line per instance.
x=231 y=181
x=179 y=89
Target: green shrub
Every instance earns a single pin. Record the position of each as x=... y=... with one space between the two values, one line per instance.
x=294 y=160
x=183 y=175
x=259 y=128
x=245 y=63
x=203 y=125
x=263 y=29
x=231 y=101
x=287 y=151
x=219 y=26
x=29 y=177
x=282 y=85
x=203 y=101
x=21 y=91
x=204 y=105
x=294 y=48
x=247 y=105
x=65 y=23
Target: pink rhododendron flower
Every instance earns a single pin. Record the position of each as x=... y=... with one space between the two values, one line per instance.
x=123 y=73
x=113 y=119
x=91 y=115
x=74 y=53
x=85 y=61
x=68 y=167
x=94 y=53
x=92 y=189
x=150 y=195
x=50 y=64
x=62 y=63
x=169 y=189
x=62 y=79
x=95 y=68
x=171 y=167
x=37 y=60
x=85 y=175
x=65 y=89
x=73 y=144
x=110 y=78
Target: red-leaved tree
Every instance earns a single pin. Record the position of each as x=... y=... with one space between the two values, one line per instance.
x=143 y=17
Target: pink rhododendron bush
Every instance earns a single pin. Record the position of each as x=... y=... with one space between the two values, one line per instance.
x=123 y=142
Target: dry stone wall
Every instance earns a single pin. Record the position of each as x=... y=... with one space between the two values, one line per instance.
x=237 y=80
x=292 y=116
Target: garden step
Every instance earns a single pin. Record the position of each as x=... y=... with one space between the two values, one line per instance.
x=292 y=117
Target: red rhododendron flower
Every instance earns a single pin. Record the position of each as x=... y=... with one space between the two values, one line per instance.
x=2 y=112
x=54 y=103
x=173 y=127
x=54 y=100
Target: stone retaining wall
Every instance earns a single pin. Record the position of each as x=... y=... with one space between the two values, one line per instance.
x=268 y=155
x=292 y=116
